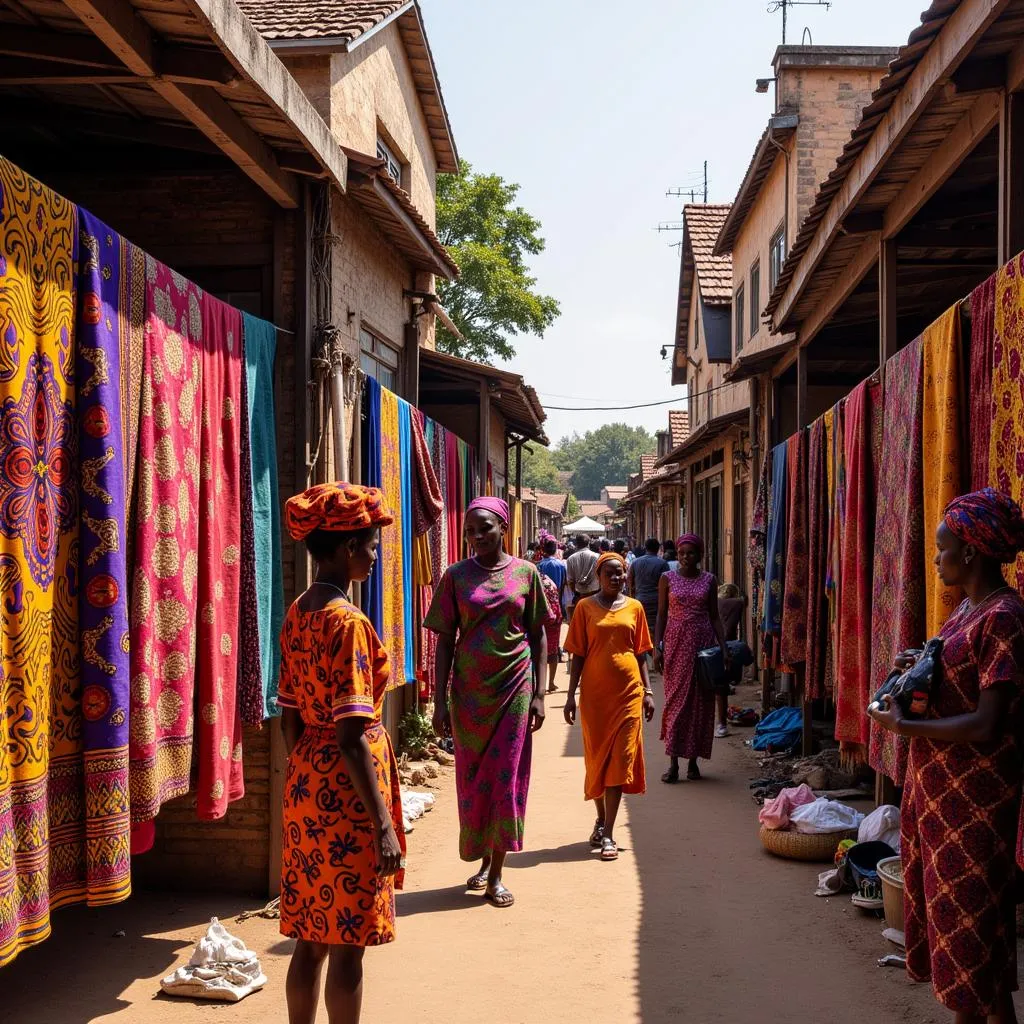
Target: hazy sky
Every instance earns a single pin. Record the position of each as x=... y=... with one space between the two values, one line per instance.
x=596 y=108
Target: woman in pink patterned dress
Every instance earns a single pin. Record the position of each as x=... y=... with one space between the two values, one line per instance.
x=688 y=621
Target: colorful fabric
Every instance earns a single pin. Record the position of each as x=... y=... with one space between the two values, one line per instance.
x=989 y=520
x=960 y=818
x=897 y=608
x=391 y=561
x=488 y=504
x=428 y=501
x=757 y=543
x=816 y=679
x=688 y=719
x=106 y=284
x=793 y=648
x=983 y=336
x=609 y=556
x=373 y=589
x=337 y=506
x=218 y=724
x=406 y=671
x=553 y=622
x=493 y=613
x=941 y=431
x=835 y=440
x=693 y=539
x=40 y=722
x=853 y=651
x=164 y=599
x=260 y=352
x=774 y=573
x=333 y=667
x=611 y=694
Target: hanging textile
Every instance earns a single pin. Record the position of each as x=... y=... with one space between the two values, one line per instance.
x=218 y=726
x=941 y=433
x=406 y=670
x=390 y=560
x=835 y=443
x=40 y=719
x=853 y=652
x=758 y=542
x=1005 y=470
x=794 y=615
x=455 y=501
x=775 y=554
x=260 y=352
x=816 y=649
x=428 y=503
x=373 y=589
x=110 y=288
x=439 y=534
x=983 y=332
x=898 y=611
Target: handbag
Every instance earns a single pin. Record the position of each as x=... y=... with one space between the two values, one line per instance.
x=913 y=689
x=711 y=672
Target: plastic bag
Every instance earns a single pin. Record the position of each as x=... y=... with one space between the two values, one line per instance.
x=825 y=815
x=881 y=825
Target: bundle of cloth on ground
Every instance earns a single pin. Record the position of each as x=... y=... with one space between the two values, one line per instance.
x=221 y=968
x=799 y=809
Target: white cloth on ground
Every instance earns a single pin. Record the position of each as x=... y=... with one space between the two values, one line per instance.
x=824 y=815
x=882 y=824
x=414 y=805
x=221 y=968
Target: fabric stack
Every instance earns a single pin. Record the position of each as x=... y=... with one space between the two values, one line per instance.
x=139 y=540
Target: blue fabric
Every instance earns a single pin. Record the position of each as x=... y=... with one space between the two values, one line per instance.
x=781 y=729
x=405 y=455
x=373 y=599
x=555 y=569
x=260 y=350
x=774 y=570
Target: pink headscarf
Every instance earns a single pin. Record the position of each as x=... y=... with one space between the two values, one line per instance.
x=495 y=505
x=693 y=540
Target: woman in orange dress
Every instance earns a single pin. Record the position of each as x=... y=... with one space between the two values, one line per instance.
x=609 y=635
x=343 y=835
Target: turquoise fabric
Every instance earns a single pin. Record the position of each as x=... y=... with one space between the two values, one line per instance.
x=405 y=464
x=260 y=349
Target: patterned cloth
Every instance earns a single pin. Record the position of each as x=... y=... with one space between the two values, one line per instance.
x=373 y=589
x=959 y=820
x=428 y=503
x=988 y=519
x=406 y=670
x=40 y=716
x=391 y=563
x=688 y=720
x=611 y=693
x=553 y=622
x=333 y=667
x=983 y=333
x=794 y=616
x=774 y=573
x=757 y=542
x=897 y=610
x=942 y=431
x=493 y=612
x=816 y=680
x=337 y=506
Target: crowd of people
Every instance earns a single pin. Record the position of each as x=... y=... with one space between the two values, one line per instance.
x=630 y=613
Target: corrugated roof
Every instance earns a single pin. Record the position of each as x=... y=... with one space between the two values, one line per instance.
x=679 y=426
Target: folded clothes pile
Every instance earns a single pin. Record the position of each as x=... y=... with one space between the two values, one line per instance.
x=221 y=968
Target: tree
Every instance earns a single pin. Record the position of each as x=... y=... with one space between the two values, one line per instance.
x=539 y=469
x=572 y=509
x=608 y=455
x=494 y=298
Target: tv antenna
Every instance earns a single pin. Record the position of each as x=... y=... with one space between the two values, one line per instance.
x=784 y=5
x=692 y=192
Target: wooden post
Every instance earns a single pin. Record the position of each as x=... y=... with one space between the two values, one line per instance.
x=483 y=451
x=412 y=359
x=1011 y=185
x=887 y=342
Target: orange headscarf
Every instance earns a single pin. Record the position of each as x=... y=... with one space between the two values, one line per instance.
x=337 y=506
x=608 y=556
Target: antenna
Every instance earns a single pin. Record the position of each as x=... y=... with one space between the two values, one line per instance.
x=692 y=192
x=784 y=5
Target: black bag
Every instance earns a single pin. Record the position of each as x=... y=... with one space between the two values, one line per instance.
x=710 y=667
x=913 y=690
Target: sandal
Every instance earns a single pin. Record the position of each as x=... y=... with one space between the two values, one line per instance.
x=693 y=774
x=609 y=851
x=499 y=897
x=671 y=776
x=477 y=883
x=598 y=834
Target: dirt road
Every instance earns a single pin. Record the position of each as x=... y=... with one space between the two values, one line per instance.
x=693 y=923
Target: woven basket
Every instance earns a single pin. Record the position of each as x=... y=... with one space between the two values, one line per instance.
x=819 y=846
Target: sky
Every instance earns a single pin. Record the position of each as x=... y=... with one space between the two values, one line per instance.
x=596 y=108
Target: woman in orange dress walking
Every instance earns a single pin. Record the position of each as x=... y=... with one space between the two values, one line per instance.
x=343 y=835
x=609 y=636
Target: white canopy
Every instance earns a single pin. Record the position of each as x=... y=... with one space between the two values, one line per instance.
x=584 y=525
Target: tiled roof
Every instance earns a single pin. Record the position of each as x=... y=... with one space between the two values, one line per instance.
x=647 y=466
x=594 y=508
x=553 y=503
x=615 y=490
x=343 y=20
x=679 y=426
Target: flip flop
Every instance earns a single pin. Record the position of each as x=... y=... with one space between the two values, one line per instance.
x=493 y=895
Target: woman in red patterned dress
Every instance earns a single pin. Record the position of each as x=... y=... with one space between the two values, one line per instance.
x=343 y=836
x=962 y=797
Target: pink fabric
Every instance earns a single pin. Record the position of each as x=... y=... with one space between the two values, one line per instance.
x=775 y=813
x=495 y=505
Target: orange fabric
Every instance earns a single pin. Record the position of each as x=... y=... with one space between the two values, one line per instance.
x=336 y=506
x=334 y=667
x=611 y=693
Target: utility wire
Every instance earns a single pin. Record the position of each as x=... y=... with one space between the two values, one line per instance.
x=642 y=405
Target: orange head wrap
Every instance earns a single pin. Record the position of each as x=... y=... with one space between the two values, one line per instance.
x=609 y=556
x=336 y=507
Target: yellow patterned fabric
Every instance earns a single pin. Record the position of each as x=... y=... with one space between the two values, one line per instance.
x=390 y=561
x=941 y=450
x=41 y=819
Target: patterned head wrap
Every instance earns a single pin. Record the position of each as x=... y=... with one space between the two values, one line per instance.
x=609 y=556
x=988 y=519
x=340 y=506
x=693 y=540
x=495 y=505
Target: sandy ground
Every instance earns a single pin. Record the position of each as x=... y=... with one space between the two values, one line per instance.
x=693 y=923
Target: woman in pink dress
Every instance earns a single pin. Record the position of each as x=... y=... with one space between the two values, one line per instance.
x=688 y=622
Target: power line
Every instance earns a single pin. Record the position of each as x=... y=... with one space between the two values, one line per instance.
x=642 y=405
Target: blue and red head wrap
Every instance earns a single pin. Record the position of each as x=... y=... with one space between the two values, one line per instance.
x=493 y=505
x=693 y=539
x=988 y=519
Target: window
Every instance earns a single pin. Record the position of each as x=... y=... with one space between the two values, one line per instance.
x=776 y=256
x=378 y=359
x=741 y=320
x=755 y=297
x=394 y=165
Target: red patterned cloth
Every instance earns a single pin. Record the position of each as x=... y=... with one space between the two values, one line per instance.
x=983 y=331
x=427 y=502
x=960 y=819
x=794 y=596
x=817 y=562
x=897 y=612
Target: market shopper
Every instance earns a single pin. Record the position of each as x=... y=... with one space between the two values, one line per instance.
x=341 y=774
x=963 y=786
x=489 y=613
x=553 y=628
x=609 y=637
x=580 y=575
x=688 y=622
x=644 y=576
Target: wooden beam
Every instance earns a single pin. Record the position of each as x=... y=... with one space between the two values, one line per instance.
x=984 y=74
x=412 y=229
x=964 y=27
x=801 y=389
x=29 y=71
x=1011 y=185
x=888 y=344
x=301 y=163
x=117 y=25
x=88 y=51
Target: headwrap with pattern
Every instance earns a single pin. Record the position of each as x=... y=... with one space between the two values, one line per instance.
x=693 y=539
x=495 y=505
x=988 y=519
x=338 y=506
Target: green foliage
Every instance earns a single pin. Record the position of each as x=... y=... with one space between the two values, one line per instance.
x=539 y=469
x=495 y=297
x=568 y=452
x=415 y=731
x=607 y=455
x=573 y=510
